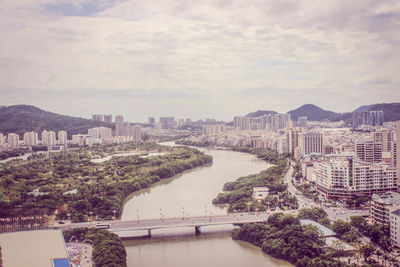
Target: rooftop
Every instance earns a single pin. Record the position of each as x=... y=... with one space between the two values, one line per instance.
x=34 y=248
x=325 y=230
x=389 y=198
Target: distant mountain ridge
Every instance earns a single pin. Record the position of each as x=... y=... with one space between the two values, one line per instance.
x=25 y=118
x=391 y=112
x=313 y=113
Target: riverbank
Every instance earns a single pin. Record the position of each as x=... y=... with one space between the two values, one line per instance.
x=239 y=193
x=86 y=190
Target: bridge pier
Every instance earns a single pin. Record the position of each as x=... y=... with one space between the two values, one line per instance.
x=197 y=230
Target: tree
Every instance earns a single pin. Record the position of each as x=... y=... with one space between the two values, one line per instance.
x=366 y=251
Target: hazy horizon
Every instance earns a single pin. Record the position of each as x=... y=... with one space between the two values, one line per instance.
x=206 y=59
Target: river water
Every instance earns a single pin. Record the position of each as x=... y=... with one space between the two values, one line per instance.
x=191 y=194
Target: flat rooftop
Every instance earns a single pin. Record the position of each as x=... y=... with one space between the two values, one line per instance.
x=39 y=248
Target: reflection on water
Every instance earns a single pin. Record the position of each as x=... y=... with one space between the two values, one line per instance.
x=191 y=194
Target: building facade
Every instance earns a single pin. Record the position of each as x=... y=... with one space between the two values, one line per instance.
x=369 y=151
x=351 y=177
x=382 y=205
x=62 y=137
x=13 y=140
x=31 y=139
x=119 y=125
x=395 y=228
x=134 y=132
x=48 y=138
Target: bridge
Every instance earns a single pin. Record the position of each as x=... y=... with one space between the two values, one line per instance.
x=127 y=229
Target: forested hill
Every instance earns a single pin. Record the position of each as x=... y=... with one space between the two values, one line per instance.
x=25 y=118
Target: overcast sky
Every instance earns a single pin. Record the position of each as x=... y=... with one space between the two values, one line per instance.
x=198 y=59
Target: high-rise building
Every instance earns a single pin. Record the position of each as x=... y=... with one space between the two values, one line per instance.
x=292 y=139
x=241 y=123
x=119 y=125
x=100 y=133
x=134 y=131
x=384 y=136
x=62 y=137
x=302 y=121
x=311 y=143
x=13 y=140
x=352 y=177
x=2 y=139
x=31 y=139
x=108 y=118
x=151 y=120
x=48 y=138
x=374 y=118
x=369 y=151
x=97 y=117
x=213 y=129
x=167 y=122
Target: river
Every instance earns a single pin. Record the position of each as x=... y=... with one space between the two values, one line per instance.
x=191 y=194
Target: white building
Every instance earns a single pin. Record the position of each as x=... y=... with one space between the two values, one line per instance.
x=213 y=129
x=382 y=205
x=100 y=133
x=48 y=138
x=395 y=227
x=2 y=139
x=311 y=143
x=62 y=137
x=31 y=139
x=13 y=139
x=351 y=177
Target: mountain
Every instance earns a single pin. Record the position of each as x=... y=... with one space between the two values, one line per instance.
x=313 y=113
x=260 y=113
x=25 y=118
x=363 y=108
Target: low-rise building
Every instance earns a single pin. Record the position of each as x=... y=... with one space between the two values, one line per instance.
x=259 y=193
x=34 y=248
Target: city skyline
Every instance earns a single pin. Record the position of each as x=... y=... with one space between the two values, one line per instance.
x=198 y=60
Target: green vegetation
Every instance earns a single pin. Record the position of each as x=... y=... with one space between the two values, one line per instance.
x=5 y=154
x=24 y=118
x=378 y=233
x=282 y=236
x=238 y=194
x=101 y=187
x=192 y=143
x=108 y=250
x=315 y=214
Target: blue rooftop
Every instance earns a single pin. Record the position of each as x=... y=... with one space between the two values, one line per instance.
x=61 y=263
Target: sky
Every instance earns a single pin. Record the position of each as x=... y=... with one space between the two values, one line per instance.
x=198 y=59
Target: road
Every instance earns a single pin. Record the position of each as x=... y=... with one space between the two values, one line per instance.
x=334 y=213
x=116 y=225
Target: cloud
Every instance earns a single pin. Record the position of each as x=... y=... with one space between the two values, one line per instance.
x=264 y=54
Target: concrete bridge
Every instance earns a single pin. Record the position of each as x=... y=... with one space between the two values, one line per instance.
x=127 y=229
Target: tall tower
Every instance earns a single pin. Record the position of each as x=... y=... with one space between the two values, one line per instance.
x=119 y=125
